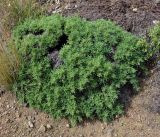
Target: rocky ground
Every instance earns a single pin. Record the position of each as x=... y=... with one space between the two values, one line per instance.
x=142 y=118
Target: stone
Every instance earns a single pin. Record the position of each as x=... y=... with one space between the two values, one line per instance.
x=42 y=128
x=48 y=126
x=30 y=124
x=135 y=9
x=67 y=126
x=156 y=22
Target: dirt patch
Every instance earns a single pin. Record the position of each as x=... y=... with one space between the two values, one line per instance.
x=135 y=16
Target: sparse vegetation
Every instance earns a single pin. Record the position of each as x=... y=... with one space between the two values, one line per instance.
x=12 y=12
x=97 y=58
x=9 y=61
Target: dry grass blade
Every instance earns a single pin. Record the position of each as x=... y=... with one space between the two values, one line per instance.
x=12 y=12
x=9 y=64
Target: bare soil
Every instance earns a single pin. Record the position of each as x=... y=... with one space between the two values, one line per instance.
x=135 y=16
x=142 y=118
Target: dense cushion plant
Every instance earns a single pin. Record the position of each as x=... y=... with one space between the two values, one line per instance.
x=98 y=58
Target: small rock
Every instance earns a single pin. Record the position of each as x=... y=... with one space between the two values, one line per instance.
x=42 y=128
x=135 y=9
x=8 y=106
x=156 y=22
x=75 y=6
x=30 y=124
x=48 y=126
x=103 y=128
x=67 y=126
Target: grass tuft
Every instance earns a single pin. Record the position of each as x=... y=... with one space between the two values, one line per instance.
x=12 y=13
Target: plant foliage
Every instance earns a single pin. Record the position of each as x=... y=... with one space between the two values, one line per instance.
x=98 y=59
x=154 y=36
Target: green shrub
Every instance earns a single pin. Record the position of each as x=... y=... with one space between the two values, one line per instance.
x=97 y=59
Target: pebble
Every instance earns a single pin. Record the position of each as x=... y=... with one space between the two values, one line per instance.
x=75 y=6
x=135 y=9
x=30 y=124
x=67 y=126
x=8 y=106
x=156 y=22
x=48 y=126
x=103 y=128
x=42 y=128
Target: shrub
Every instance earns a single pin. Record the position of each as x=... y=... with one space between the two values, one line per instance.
x=91 y=62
